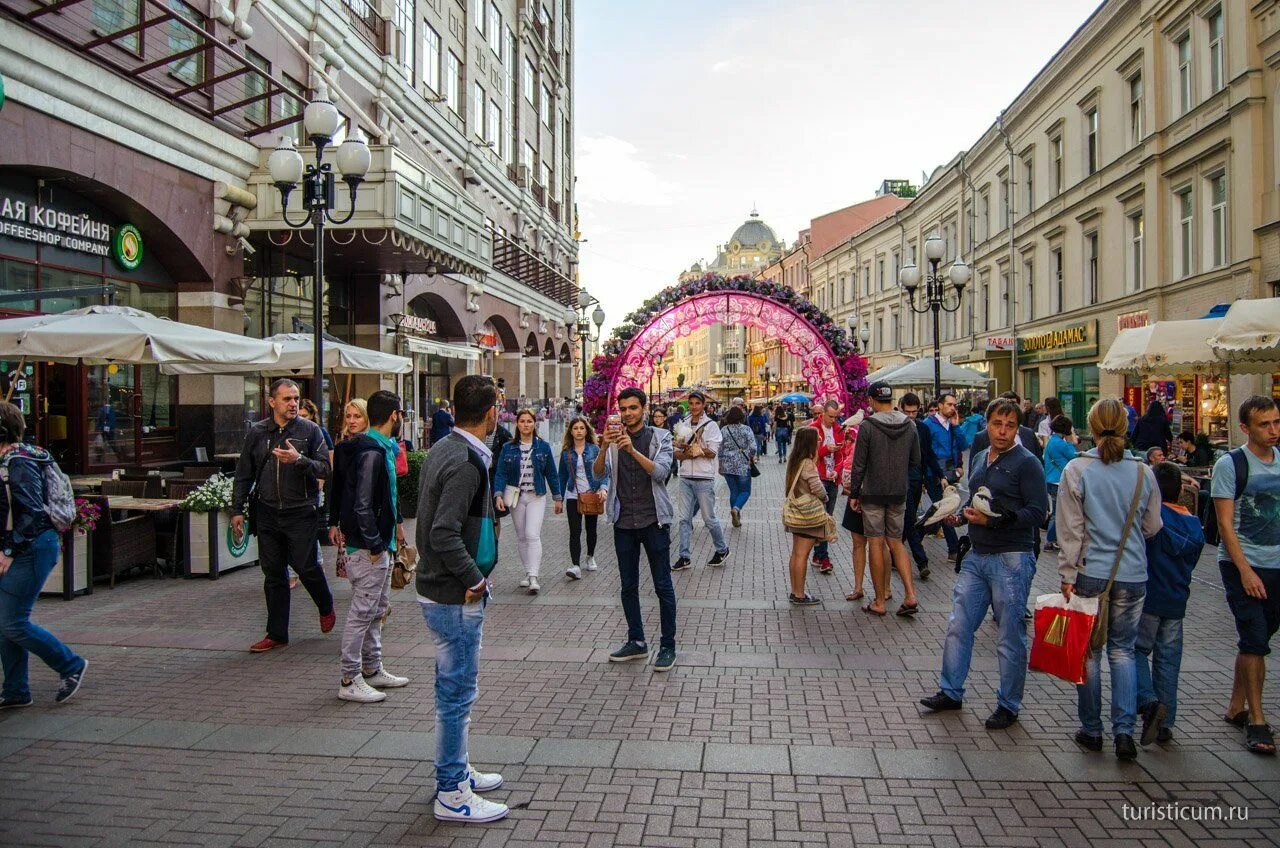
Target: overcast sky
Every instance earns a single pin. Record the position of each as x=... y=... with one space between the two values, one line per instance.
x=689 y=113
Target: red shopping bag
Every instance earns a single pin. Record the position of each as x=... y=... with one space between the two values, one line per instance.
x=1062 y=635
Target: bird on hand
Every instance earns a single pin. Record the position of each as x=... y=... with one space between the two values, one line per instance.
x=981 y=501
x=948 y=504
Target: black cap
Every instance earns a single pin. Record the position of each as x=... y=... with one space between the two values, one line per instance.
x=696 y=394
x=880 y=391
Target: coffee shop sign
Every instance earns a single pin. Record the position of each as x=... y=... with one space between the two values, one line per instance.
x=69 y=230
x=418 y=324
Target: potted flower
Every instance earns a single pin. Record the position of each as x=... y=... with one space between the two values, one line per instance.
x=70 y=576
x=211 y=546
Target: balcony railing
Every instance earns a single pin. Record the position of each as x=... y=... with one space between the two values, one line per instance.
x=518 y=262
x=371 y=26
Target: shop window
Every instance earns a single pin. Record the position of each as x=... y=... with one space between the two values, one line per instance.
x=1031 y=385
x=1078 y=391
x=58 y=278
x=17 y=277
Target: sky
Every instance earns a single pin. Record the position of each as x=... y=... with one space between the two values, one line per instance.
x=689 y=114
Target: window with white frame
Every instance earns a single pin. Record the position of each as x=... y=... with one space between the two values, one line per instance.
x=404 y=25
x=1055 y=280
x=1217 y=68
x=1186 y=232
x=493 y=129
x=477 y=14
x=1055 y=165
x=1218 y=219
x=494 y=28
x=1134 y=265
x=1184 y=73
x=984 y=215
x=1091 y=268
x=866 y=279
x=544 y=106
x=453 y=82
x=897 y=266
x=1004 y=202
x=477 y=116
x=880 y=331
x=528 y=75
x=1029 y=290
x=1135 y=109
x=1004 y=298
x=1092 y=130
x=880 y=281
x=527 y=156
x=984 y=299
x=430 y=57
x=1028 y=182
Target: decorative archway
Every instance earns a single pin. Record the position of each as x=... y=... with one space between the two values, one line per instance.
x=828 y=359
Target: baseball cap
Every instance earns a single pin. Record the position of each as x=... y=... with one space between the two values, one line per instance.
x=880 y=391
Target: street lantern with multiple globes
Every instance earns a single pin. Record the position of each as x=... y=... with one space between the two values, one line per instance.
x=579 y=324
x=856 y=333
x=321 y=122
x=937 y=296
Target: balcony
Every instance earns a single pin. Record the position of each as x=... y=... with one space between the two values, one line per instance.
x=540 y=194
x=521 y=264
x=370 y=26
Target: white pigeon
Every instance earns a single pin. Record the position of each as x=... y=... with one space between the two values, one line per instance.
x=948 y=504
x=981 y=501
x=854 y=420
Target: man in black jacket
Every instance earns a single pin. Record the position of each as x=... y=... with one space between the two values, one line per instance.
x=364 y=519
x=927 y=469
x=277 y=479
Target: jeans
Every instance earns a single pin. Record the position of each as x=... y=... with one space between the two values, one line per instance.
x=912 y=536
x=820 y=549
x=370 y=596
x=1122 y=633
x=783 y=438
x=527 y=516
x=19 y=588
x=1051 y=537
x=575 y=531
x=739 y=489
x=762 y=444
x=287 y=538
x=656 y=541
x=1001 y=581
x=456 y=630
x=695 y=495
x=934 y=488
x=1159 y=647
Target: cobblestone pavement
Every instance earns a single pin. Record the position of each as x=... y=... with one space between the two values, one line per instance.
x=780 y=726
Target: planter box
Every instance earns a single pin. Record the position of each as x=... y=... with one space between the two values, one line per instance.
x=70 y=576
x=211 y=548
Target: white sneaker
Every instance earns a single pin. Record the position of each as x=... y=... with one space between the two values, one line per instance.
x=524 y=584
x=466 y=806
x=573 y=572
x=385 y=680
x=591 y=563
x=360 y=691
x=481 y=781
x=533 y=585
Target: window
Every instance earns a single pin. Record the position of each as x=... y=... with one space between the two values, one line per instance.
x=1004 y=298
x=183 y=38
x=1055 y=154
x=255 y=85
x=1004 y=202
x=544 y=106
x=1134 y=265
x=494 y=27
x=430 y=57
x=1184 y=74
x=493 y=129
x=984 y=215
x=1029 y=291
x=477 y=116
x=1186 y=233
x=293 y=105
x=1218 y=219
x=866 y=280
x=453 y=82
x=1091 y=268
x=1135 y=109
x=1091 y=140
x=880 y=281
x=114 y=15
x=1028 y=181
x=404 y=35
x=897 y=266
x=527 y=77
x=1217 y=73
x=1055 y=280
x=880 y=332
x=477 y=14
x=544 y=176
x=894 y=342
x=527 y=156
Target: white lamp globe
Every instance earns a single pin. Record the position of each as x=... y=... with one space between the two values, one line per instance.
x=934 y=248
x=909 y=276
x=598 y=316
x=960 y=274
x=354 y=157
x=321 y=118
x=285 y=163
x=584 y=298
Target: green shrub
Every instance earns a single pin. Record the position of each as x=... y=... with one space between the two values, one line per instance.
x=407 y=486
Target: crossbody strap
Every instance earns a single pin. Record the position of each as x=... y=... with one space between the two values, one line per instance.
x=1124 y=535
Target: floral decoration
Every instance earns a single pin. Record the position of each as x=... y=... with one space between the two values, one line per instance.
x=212 y=496
x=88 y=514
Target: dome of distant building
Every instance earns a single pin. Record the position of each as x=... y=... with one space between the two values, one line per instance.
x=696 y=267
x=755 y=234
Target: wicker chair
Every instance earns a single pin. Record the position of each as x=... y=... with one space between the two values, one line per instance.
x=121 y=545
x=169 y=524
x=200 y=472
x=129 y=488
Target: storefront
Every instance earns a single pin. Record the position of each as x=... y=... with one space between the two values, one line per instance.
x=437 y=364
x=995 y=359
x=1072 y=354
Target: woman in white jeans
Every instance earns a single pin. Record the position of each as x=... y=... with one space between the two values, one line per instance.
x=526 y=472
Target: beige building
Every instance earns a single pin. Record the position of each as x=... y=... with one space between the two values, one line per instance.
x=1132 y=180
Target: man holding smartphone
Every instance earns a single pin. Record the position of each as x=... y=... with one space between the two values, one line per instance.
x=283 y=460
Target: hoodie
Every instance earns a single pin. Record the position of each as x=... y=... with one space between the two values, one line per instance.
x=1171 y=555
x=22 y=500
x=888 y=447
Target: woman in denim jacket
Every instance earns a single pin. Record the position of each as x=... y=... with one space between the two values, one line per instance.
x=577 y=454
x=526 y=465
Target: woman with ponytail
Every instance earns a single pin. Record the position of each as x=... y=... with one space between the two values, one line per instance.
x=1108 y=506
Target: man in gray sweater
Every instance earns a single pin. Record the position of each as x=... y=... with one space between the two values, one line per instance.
x=458 y=551
x=888 y=447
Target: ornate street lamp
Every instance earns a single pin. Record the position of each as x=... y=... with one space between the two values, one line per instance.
x=855 y=334
x=321 y=122
x=935 y=294
x=581 y=331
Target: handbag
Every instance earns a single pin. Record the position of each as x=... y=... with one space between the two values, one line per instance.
x=510 y=497
x=402 y=459
x=1098 y=636
x=591 y=503
x=340 y=567
x=404 y=566
x=754 y=471
x=804 y=511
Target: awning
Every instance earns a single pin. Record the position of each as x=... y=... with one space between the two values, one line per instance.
x=445 y=349
x=1249 y=337
x=920 y=373
x=297 y=358
x=1166 y=348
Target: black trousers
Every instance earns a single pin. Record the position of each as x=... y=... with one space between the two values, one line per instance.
x=287 y=539
x=655 y=540
x=575 y=531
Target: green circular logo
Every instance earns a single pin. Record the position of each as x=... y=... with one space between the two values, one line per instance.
x=126 y=247
x=237 y=549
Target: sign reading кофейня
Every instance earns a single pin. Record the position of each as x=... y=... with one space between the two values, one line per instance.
x=1070 y=342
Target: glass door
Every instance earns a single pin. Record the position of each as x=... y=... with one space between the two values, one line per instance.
x=113 y=416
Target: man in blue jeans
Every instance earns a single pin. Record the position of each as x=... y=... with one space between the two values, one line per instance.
x=998 y=572
x=638 y=458
x=697 y=445
x=458 y=552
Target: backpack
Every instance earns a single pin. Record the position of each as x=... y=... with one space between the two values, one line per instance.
x=59 y=501
x=1209 y=518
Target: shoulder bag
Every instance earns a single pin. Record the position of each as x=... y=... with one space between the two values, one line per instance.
x=589 y=502
x=754 y=471
x=1098 y=637
x=804 y=511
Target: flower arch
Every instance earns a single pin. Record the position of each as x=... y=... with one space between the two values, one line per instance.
x=828 y=359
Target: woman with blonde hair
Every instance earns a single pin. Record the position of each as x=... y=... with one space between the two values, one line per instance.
x=1108 y=506
x=526 y=472
x=355 y=418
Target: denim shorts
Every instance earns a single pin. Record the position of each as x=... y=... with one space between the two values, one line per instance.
x=1256 y=620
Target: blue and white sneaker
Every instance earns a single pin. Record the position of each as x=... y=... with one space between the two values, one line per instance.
x=464 y=805
x=482 y=781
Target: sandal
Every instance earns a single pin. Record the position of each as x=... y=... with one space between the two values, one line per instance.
x=868 y=608
x=1239 y=720
x=855 y=595
x=1258 y=739
x=806 y=601
x=908 y=610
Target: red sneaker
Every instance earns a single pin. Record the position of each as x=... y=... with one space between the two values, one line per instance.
x=265 y=645
x=327 y=621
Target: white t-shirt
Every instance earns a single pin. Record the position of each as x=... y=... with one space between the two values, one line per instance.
x=580 y=483
x=1042 y=429
x=829 y=439
x=702 y=468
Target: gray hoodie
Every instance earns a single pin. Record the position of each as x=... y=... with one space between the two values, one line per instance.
x=888 y=447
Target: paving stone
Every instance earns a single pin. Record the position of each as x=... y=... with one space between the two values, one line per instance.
x=400 y=745
x=1249 y=765
x=324 y=742
x=725 y=659
x=587 y=753
x=12 y=745
x=100 y=728
x=1008 y=765
x=746 y=759
x=164 y=733
x=1090 y=767
x=921 y=765
x=244 y=738
x=1187 y=766
x=669 y=756
x=484 y=748
x=38 y=724
x=834 y=762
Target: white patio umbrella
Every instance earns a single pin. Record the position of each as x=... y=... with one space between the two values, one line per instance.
x=297 y=356
x=881 y=373
x=920 y=373
x=1165 y=348
x=100 y=335
x=1248 y=338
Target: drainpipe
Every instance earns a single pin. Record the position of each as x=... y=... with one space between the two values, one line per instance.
x=1013 y=287
x=857 y=298
x=965 y=182
x=902 y=255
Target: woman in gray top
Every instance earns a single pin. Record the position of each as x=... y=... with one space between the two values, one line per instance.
x=737 y=455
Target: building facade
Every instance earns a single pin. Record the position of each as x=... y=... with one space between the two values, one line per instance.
x=460 y=254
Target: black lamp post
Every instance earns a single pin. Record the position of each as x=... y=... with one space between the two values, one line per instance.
x=855 y=334
x=935 y=297
x=581 y=331
x=321 y=121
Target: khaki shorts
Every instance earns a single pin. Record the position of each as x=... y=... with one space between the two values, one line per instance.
x=883 y=520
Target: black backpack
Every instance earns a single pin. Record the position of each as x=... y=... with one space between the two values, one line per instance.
x=1209 y=516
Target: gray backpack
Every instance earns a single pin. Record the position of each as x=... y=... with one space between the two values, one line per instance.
x=59 y=501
